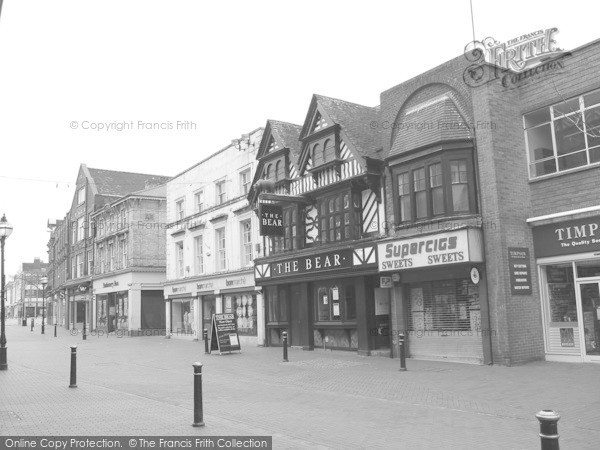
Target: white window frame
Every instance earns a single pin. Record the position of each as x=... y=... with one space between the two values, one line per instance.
x=179 y=209
x=245 y=173
x=81 y=195
x=221 y=252
x=199 y=206
x=199 y=254
x=222 y=182
x=179 y=259
x=246 y=246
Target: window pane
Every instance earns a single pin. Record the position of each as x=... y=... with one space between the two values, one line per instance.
x=561 y=292
x=591 y=99
x=592 y=124
x=595 y=155
x=569 y=134
x=543 y=168
x=405 y=208
x=539 y=141
x=421 y=204
x=346 y=201
x=419 y=179
x=403 y=187
x=571 y=161
x=460 y=197
x=323 y=309
x=537 y=117
x=437 y=195
x=435 y=175
x=567 y=107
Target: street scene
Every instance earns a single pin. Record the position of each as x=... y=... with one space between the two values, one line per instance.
x=299 y=225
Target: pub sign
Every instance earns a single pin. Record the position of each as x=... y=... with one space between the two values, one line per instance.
x=271 y=219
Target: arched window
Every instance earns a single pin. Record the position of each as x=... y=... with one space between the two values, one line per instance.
x=326 y=149
x=267 y=172
x=278 y=175
x=316 y=155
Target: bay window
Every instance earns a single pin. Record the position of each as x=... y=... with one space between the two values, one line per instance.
x=434 y=187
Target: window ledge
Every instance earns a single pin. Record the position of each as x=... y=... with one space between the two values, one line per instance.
x=563 y=173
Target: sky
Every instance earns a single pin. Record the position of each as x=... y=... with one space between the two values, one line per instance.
x=220 y=68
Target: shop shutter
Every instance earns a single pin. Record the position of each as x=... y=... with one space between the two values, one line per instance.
x=444 y=320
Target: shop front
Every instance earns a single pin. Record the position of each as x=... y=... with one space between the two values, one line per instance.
x=130 y=302
x=79 y=306
x=190 y=306
x=439 y=295
x=568 y=262
x=322 y=300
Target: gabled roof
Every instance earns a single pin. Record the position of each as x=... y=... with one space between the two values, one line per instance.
x=288 y=134
x=118 y=184
x=436 y=120
x=356 y=122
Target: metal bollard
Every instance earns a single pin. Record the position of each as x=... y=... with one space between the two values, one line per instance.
x=198 y=413
x=73 y=383
x=548 y=429
x=84 y=334
x=205 y=337
x=54 y=330
x=32 y=324
x=285 y=355
x=402 y=352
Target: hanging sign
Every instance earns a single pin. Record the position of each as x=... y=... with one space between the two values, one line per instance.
x=271 y=219
x=224 y=334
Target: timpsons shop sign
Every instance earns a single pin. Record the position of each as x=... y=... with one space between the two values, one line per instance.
x=454 y=247
x=565 y=238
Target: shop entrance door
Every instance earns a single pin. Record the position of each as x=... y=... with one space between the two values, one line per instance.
x=112 y=313
x=208 y=309
x=588 y=306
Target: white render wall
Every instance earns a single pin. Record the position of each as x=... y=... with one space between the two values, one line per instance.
x=225 y=164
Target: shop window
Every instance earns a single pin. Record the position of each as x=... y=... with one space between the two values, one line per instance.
x=444 y=306
x=563 y=136
x=433 y=187
x=278 y=304
x=244 y=307
x=335 y=302
x=561 y=293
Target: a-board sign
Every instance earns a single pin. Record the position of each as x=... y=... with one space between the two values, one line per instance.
x=224 y=335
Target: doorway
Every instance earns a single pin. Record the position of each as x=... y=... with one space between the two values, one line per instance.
x=588 y=305
x=209 y=303
x=296 y=315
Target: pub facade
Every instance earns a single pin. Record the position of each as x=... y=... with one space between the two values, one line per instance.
x=318 y=196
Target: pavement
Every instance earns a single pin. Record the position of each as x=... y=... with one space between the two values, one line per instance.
x=320 y=399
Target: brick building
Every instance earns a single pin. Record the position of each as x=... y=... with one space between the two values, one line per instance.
x=211 y=244
x=129 y=263
x=71 y=244
x=27 y=289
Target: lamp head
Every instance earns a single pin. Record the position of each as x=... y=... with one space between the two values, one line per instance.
x=5 y=227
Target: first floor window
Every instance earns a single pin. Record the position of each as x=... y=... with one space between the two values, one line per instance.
x=339 y=217
x=198 y=251
x=221 y=249
x=246 y=232
x=179 y=258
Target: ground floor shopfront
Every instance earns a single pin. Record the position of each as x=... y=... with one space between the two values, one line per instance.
x=567 y=251
x=77 y=306
x=439 y=295
x=329 y=300
x=129 y=303
x=190 y=305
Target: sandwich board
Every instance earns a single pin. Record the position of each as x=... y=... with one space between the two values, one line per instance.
x=224 y=335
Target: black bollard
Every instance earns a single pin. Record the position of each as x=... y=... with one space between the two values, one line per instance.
x=205 y=337
x=73 y=367
x=32 y=324
x=548 y=429
x=285 y=355
x=402 y=352
x=198 y=413
x=54 y=330
x=84 y=335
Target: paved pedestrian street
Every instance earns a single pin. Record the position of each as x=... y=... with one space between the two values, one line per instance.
x=322 y=399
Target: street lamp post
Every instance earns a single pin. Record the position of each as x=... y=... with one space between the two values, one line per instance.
x=44 y=281
x=5 y=231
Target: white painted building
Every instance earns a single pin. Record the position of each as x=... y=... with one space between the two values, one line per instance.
x=212 y=238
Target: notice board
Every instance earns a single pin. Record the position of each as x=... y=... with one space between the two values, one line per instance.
x=224 y=335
